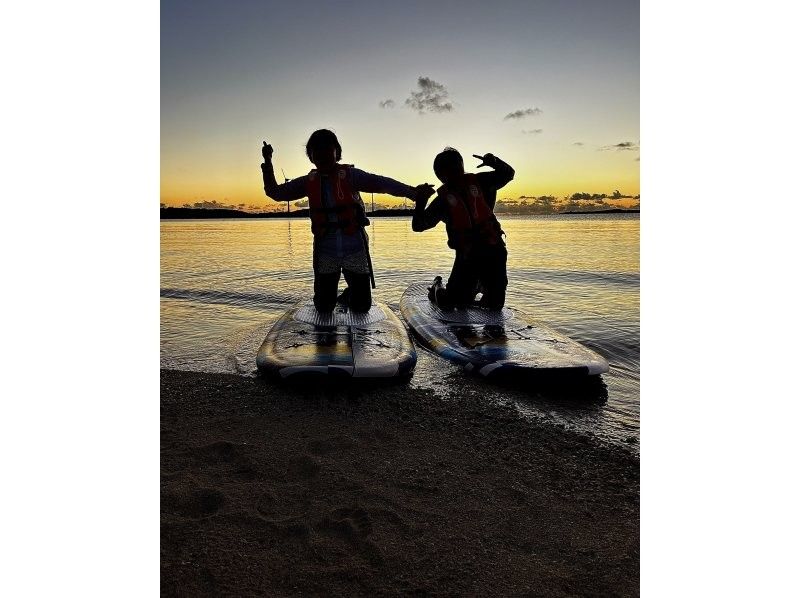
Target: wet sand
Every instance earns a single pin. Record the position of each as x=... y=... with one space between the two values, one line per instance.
x=279 y=490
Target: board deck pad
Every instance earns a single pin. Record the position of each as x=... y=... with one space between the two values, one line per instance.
x=493 y=342
x=374 y=344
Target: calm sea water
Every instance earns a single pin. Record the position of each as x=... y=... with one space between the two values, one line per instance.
x=225 y=282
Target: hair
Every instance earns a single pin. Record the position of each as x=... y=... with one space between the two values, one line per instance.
x=323 y=138
x=447 y=159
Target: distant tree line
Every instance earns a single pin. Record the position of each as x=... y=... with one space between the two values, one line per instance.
x=543 y=204
x=550 y=204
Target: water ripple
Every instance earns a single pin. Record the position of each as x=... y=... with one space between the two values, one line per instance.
x=238 y=299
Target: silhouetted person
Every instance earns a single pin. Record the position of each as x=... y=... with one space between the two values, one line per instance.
x=465 y=203
x=337 y=216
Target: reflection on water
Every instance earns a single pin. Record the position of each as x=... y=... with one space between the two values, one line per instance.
x=224 y=282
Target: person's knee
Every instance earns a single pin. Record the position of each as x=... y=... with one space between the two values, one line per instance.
x=458 y=295
x=443 y=300
x=324 y=304
x=361 y=301
x=494 y=297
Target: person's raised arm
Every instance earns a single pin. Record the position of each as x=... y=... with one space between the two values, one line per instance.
x=503 y=173
x=294 y=189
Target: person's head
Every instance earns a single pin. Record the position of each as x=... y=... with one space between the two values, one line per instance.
x=448 y=165
x=323 y=149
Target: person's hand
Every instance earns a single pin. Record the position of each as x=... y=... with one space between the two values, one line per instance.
x=486 y=160
x=423 y=192
x=266 y=152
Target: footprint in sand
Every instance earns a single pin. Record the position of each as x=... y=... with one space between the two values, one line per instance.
x=352 y=522
x=228 y=455
x=303 y=467
x=191 y=502
x=288 y=527
x=391 y=517
x=265 y=504
x=353 y=526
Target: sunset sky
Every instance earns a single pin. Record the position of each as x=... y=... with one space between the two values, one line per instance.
x=550 y=87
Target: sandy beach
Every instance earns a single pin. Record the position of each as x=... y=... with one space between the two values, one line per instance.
x=280 y=490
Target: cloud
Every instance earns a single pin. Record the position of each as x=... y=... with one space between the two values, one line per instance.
x=429 y=97
x=532 y=131
x=628 y=146
x=522 y=113
x=386 y=103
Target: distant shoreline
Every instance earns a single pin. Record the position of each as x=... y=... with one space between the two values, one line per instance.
x=214 y=213
x=610 y=211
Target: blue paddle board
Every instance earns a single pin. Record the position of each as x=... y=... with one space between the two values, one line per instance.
x=494 y=342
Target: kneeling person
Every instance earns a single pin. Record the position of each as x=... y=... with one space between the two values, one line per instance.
x=338 y=217
x=465 y=203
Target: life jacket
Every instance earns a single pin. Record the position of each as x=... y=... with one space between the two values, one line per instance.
x=471 y=220
x=349 y=214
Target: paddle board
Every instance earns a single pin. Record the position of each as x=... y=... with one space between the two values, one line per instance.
x=342 y=343
x=492 y=342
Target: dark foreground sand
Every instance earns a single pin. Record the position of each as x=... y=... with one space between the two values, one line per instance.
x=275 y=490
